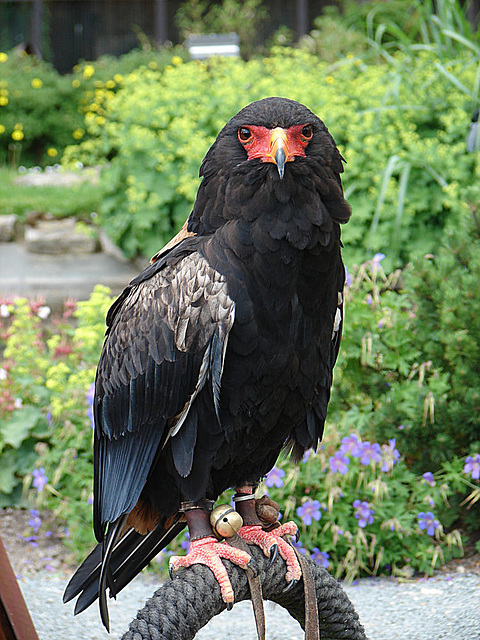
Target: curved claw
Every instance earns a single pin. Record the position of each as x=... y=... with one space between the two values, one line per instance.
x=289 y=586
x=170 y=570
x=229 y=606
x=273 y=555
x=297 y=535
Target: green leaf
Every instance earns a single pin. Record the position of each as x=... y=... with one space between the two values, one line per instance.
x=7 y=473
x=15 y=429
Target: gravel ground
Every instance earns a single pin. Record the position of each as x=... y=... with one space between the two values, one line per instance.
x=446 y=607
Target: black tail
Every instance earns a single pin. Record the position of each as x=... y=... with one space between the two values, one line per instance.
x=115 y=562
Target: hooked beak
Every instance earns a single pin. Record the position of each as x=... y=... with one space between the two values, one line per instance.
x=278 y=152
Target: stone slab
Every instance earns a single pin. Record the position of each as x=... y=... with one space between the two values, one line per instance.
x=8 y=227
x=58 y=236
x=57 y=278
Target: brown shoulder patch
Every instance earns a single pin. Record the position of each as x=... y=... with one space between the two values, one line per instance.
x=181 y=235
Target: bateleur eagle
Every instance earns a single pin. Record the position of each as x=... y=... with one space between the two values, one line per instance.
x=220 y=353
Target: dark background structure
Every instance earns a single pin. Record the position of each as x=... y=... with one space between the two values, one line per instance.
x=65 y=31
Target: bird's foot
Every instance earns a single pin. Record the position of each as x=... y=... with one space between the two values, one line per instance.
x=272 y=541
x=209 y=551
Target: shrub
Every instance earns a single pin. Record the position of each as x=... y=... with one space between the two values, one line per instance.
x=401 y=126
x=38 y=110
x=409 y=363
x=41 y=112
x=45 y=429
x=46 y=386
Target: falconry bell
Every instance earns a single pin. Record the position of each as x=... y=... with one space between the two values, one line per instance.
x=225 y=521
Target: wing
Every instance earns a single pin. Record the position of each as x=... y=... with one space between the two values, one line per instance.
x=166 y=338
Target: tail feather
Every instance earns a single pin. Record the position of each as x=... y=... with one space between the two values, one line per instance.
x=125 y=558
x=114 y=535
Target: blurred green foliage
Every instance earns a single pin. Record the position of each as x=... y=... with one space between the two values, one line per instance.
x=391 y=388
x=41 y=112
x=401 y=127
x=38 y=111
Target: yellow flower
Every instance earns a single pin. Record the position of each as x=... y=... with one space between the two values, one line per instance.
x=176 y=60
x=88 y=71
x=18 y=126
x=152 y=65
x=110 y=84
x=3 y=56
x=100 y=120
x=78 y=133
x=75 y=83
x=37 y=83
x=3 y=101
x=17 y=135
x=2 y=129
x=118 y=78
x=329 y=80
x=52 y=152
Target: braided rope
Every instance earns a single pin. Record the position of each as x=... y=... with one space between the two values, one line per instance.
x=182 y=606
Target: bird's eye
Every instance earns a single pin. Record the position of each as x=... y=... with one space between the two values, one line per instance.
x=307 y=132
x=244 y=134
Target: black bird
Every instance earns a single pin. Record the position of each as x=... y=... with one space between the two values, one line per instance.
x=220 y=353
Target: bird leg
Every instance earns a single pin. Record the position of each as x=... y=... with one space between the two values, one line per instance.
x=206 y=549
x=270 y=542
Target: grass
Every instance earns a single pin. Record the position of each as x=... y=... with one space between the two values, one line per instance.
x=77 y=200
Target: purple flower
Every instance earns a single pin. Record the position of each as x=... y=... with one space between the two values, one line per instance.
x=472 y=466
x=306 y=455
x=348 y=277
x=39 y=479
x=49 y=419
x=298 y=546
x=90 y=499
x=429 y=479
x=35 y=522
x=370 y=453
x=390 y=455
x=90 y=396
x=376 y=260
x=428 y=521
x=351 y=445
x=339 y=463
x=363 y=512
x=275 y=477
x=309 y=510
x=185 y=544
x=320 y=557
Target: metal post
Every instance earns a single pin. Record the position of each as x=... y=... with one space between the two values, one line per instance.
x=15 y=621
x=36 y=28
x=160 y=21
x=302 y=17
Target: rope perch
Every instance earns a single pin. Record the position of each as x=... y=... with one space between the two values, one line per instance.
x=183 y=605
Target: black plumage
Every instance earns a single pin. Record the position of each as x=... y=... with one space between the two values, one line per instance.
x=220 y=354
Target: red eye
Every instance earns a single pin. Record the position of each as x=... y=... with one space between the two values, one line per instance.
x=244 y=134
x=307 y=132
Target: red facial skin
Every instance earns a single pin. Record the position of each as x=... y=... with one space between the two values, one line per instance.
x=264 y=143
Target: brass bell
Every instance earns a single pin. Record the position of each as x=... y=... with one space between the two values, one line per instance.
x=225 y=521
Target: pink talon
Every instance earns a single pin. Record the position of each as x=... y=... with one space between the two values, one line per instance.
x=254 y=534
x=209 y=551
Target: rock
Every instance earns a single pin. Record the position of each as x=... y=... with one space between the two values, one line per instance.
x=110 y=248
x=8 y=227
x=60 y=236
